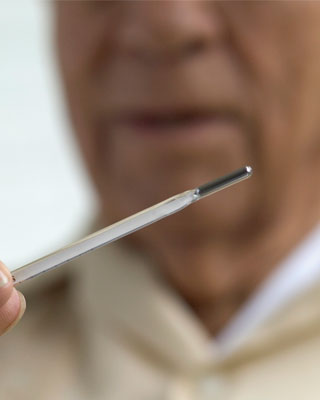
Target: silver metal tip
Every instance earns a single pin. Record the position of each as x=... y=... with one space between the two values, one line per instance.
x=224 y=181
x=249 y=170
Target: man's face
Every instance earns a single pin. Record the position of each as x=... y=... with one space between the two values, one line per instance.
x=166 y=95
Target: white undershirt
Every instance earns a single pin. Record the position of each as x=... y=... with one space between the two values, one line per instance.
x=293 y=276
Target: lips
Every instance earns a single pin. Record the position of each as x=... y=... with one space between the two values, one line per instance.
x=176 y=123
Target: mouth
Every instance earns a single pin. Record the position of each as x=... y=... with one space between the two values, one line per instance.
x=190 y=122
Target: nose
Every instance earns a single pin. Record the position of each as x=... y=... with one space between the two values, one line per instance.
x=169 y=30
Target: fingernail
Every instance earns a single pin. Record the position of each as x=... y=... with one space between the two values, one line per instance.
x=3 y=279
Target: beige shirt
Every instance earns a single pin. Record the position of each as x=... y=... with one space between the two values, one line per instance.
x=107 y=327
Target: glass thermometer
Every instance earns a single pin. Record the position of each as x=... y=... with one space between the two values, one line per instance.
x=127 y=226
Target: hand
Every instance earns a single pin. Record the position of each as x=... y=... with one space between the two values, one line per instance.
x=12 y=302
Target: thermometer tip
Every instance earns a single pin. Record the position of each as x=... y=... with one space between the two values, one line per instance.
x=224 y=181
x=249 y=170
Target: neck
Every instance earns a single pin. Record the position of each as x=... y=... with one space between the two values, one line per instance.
x=216 y=277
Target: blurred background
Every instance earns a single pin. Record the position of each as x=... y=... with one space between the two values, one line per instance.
x=46 y=200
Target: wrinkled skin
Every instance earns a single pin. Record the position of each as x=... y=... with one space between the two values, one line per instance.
x=166 y=95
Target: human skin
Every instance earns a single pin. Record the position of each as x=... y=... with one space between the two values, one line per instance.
x=12 y=303
x=166 y=95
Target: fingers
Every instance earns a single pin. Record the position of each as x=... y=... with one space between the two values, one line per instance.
x=12 y=303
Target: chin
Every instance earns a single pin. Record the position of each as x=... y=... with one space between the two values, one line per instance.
x=226 y=213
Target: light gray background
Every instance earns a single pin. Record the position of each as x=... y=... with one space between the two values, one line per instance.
x=45 y=197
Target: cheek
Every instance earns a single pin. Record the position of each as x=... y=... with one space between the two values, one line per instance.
x=83 y=36
x=287 y=114
x=269 y=47
x=276 y=94
x=283 y=65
